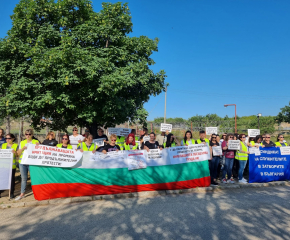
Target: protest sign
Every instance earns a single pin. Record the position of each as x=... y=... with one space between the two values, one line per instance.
x=211 y=130
x=166 y=127
x=146 y=138
x=285 y=150
x=234 y=144
x=119 y=131
x=136 y=159
x=269 y=166
x=99 y=142
x=192 y=153
x=50 y=156
x=255 y=150
x=217 y=151
x=253 y=132
x=6 y=162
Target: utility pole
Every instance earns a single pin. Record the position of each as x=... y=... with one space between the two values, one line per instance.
x=165 y=104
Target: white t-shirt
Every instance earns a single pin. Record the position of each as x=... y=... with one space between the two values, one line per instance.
x=74 y=140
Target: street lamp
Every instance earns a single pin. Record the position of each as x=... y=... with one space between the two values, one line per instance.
x=235 y=114
x=258 y=116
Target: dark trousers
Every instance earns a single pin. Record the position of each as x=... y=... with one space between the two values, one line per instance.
x=12 y=186
x=235 y=170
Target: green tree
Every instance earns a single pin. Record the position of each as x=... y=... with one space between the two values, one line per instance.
x=284 y=115
x=65 y=62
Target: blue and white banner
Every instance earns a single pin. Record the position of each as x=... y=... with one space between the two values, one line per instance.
x=269 y=166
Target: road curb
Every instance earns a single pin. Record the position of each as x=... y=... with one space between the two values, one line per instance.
x=148 y=194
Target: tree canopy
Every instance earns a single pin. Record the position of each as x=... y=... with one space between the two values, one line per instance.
x=284 y=115
x=65 y=62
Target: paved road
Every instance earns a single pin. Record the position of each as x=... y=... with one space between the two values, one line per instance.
x=230 y=214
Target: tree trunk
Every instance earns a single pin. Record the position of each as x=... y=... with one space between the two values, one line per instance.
x=93 y=129
x=8 y=127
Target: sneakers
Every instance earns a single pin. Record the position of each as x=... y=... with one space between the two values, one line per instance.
x=214 y=183
x=19 y=198
x=224 y=181
x=244 y=181
x=231 y=180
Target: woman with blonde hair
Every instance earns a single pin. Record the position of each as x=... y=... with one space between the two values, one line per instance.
x=50 y=140
x=112 y=146
x=24 y=168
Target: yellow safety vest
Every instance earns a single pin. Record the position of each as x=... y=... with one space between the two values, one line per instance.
x=278 y=144
x=199 y=141
x=83 y=146
x=172 y=144
x=252 y=143
x=14 y=147
x=68 y=146
x=192 y=140
x=22 y=145
x=127 y=146
x=242 y=156
x=120 y=141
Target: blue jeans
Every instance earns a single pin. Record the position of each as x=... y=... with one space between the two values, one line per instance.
x=228 y=168
x=242 y=165
x=213 y=167
x=24 y=175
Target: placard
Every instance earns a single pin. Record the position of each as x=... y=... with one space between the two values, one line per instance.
x=119 y=131
x=50 y=156
x=146 y=139
x=136 y=159
x=253 y=132
x=255 y=150
x=99 y=142
x=285 y=150
x=234 y=145
x=217 y=151
x=6 y=163
x=166 y=127
x=211 y=130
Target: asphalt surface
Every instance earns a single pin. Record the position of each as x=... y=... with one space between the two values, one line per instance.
x=261 y=213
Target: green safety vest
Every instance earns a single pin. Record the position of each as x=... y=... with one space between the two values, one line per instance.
x=242 y=156
x=68 y=146
x=14 y=147
x=278 y=144
x=22 y=145
x=172 y=144
x=199 y=141
x=83 y=146
x=120 y=141
x=136 y=138
x=192 y=140
x=252 y=143
x=127 y=146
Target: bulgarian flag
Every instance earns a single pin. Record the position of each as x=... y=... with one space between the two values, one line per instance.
x=56 y=182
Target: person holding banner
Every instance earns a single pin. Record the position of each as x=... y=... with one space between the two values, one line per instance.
x=187 y=140
x=112 y=145
x=2 y=139
x=10 y=138
x=280 y=141
x=152 y=144
x=229 y=160
x=242 y=157
x=257 y=142
x=171 y=141
x=87 y=145
x=215 y=159
x=130 y=143
x=22 y=167
x=65 y=143
x=202 y=138
x=50 y=140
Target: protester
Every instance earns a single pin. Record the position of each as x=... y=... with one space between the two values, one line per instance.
x=145 y=131
x=65 y=143
x=151 y=144
x=187 y=140
x=23 y=167
x=10 y=138
x=242 y=157
x=87 y=132
x=87 y=145
x=257 y=141
x=161 y=138
x=280 y=141
x=171 y=141
x=102 y=135
x=202 y=138
x=2 y=138
x=112 y=145
x=50 y=140
x=214 y=161
x=76 y=138
x=223 y=138
x=267 y=142
x=229 y=160
x=130 y=143
x=251 y=142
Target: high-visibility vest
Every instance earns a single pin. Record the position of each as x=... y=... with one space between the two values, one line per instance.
x=22 y=145
x=120 y=141
x=172 y=144
x=199 y=141
x=68 y=146
x=83 y=146
x=127 y=146
x=192 y=140
x=278 y=144
x=242 y=156
x=14 y=147
x=252 y=143
x=136 y=138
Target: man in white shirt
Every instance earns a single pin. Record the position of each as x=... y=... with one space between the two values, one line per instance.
x=76 y=138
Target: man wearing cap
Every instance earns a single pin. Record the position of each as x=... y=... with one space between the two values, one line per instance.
x=202 y=138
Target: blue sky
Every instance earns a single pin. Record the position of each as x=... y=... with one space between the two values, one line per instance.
x=213 y=52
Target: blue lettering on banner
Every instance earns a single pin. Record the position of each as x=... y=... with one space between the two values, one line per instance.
x=269 y=166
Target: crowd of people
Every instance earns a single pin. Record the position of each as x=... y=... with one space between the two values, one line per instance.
x=232 y=163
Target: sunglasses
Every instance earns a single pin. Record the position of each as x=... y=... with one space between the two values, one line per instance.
x=267 y=137
x=113 y=140
x=281 y=137
x=231 y=137
x=75 y=130
x=64 y=139
x=8 y=138
x=243 y=137
x=213 y=137
x=28 y=134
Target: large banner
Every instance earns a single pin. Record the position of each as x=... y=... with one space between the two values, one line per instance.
x=6 y=162
x=269 y=166
x=50 y=156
